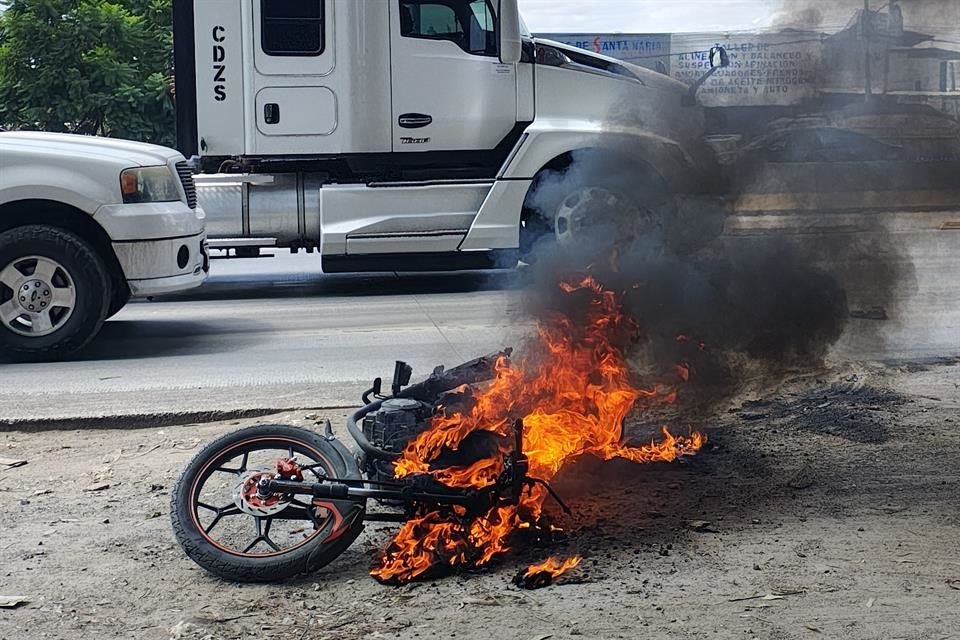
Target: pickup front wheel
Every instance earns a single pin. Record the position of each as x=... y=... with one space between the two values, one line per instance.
x=54 y=293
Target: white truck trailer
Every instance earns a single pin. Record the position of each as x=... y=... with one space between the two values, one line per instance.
x=402 y=135
x=85 y=224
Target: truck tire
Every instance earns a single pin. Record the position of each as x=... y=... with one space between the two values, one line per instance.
x=54 y=293
x=594 y=204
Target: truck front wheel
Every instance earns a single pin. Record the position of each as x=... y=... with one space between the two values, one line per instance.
x=54 y=293
x=594 y=210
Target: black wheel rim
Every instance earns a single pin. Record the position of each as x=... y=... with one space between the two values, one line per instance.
x=233 y=525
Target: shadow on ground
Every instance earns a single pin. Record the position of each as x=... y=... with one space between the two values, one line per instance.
x=349 y=285
x=136 y=339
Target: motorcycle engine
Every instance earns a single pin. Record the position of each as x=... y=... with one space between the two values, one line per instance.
x=391 y=428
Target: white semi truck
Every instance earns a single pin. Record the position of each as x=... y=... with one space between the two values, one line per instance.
x=401 y=135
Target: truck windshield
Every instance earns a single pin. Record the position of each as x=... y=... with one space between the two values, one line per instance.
x=524 y=31
x=482 y=14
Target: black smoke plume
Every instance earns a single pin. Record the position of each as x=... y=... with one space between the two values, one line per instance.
x=731 y=310
x=919 y=15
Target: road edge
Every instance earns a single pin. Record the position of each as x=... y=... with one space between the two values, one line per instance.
x=148 y=420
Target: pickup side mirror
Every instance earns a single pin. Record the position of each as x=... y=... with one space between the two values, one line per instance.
x=511 y=44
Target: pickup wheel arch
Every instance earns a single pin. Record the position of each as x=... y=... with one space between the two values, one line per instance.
x=21 y=213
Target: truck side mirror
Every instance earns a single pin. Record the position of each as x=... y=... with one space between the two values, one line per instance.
x=719 y=57
x=511 y=44
x=718 y=60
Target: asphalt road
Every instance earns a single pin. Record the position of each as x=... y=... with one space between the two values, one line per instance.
x=268 y=333
x=275 y=333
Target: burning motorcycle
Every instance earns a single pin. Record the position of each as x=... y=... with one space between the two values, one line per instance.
x=462 y=460
x=281 y=474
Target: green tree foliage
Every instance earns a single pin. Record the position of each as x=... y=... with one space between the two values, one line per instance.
x=88 y=66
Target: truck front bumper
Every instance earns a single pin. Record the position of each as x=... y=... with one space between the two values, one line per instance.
x=157 y=267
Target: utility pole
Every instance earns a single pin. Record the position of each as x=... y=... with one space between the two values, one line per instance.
x=891 y=32
x=865 y=27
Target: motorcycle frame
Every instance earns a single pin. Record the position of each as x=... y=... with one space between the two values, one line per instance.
x=337 y=492
x=506 y=491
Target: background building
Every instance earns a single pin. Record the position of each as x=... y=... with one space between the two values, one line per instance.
x=873 y=60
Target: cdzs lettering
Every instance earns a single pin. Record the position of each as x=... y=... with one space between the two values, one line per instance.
x=219 y=64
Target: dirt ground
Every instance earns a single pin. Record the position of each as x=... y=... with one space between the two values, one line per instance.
x=828 y=507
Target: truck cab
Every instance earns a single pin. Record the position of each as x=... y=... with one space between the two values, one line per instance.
x=407 y=135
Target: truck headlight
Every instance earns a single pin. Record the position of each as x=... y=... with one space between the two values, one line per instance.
x=149 y=184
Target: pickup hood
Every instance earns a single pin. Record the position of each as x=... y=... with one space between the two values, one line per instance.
x=81 y=171
x=122 y=153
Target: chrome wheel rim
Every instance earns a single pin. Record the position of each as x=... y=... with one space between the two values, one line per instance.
x=591 y=204
x=37 y=296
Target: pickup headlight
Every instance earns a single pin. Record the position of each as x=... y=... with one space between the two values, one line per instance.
x=149 y=184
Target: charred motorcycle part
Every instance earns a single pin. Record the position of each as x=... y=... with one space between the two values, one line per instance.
x=428 y=391
x=391 y=428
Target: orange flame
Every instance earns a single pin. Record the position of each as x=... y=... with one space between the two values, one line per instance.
x=572 y=391
x=553 y=567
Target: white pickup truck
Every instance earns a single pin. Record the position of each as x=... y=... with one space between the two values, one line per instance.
x=85 y=224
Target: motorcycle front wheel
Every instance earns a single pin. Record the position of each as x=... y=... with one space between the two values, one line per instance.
x=228 y=529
